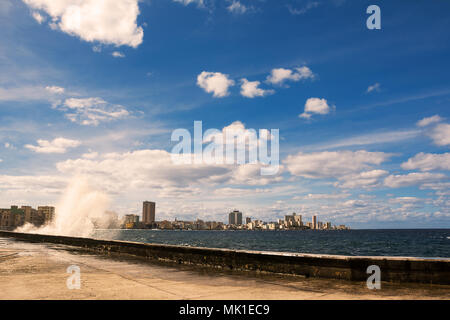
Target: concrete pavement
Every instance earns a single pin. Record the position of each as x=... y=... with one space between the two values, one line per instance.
x=39 y=271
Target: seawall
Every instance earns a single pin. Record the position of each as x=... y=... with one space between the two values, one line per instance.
x=394 y=269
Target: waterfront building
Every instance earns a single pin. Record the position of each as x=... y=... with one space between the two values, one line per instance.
x=314 y=223
x=148 y=212
x=131 y=221
x=46 y=213
x=248 y=220
x=293 y=220
x=11 y=218
x=235 y=218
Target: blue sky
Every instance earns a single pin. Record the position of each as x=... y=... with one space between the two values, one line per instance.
x=96 y=91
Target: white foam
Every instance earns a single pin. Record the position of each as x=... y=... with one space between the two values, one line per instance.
x=76 y=212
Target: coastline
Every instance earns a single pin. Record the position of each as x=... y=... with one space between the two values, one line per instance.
x=352 y=268
x=39 y=271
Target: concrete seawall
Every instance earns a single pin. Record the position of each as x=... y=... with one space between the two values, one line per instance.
x=395 y=269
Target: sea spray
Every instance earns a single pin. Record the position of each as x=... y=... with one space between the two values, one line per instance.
x=79 y=211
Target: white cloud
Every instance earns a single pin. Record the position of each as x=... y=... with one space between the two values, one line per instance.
x=58 y=145
x=26 y=93
x=90 y=155
x=323 y=196
x=374 y=87
x=31 y=184
x=412 y=179
x=250 y=89
x=332 y=164
x=92 y=111
x=145 y=169
x=315 y=106
x=199 y=3
x=366 y=179
x=428 y=162
x=441 y=134
x=309 y=6
x=55 y=89
x=117 y=54
x=109 y=22
x=237 y=7
x=368 y=139
x=429 y=120
x=215 y=82
x=280 y=75
x=38 y=17
x=236 y=137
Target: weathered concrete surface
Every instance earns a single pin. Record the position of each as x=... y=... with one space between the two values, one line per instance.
x=396 y=269
x=38 y=271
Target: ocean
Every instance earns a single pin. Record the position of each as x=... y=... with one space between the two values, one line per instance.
x=412 y=243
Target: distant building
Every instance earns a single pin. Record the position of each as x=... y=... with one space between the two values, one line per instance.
x=11 y=218
x=148 y=212
x=46 y=213
x=131 y=221
x=314 y=223
x=235 y=218
x=293 y=220
x=248 y=220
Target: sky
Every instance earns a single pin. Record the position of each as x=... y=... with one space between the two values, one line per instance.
x=95 y=89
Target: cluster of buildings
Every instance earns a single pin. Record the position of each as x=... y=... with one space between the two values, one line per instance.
x=15 y=217
x=290 y=222
x=235 y=222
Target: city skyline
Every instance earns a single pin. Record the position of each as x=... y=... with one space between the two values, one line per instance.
x=363 y=124
x=17 y=217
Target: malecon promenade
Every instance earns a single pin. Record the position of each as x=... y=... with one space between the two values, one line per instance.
x=38 y=270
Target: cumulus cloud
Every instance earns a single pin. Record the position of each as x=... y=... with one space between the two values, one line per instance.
x=215 y=82
x=154 y=169
x=323 y=196
x=57 y=145
x=429 y=120
x=237 y=7
x=428 y=162
x=55 y=89
x=366 y=179
x=38 y=17
x=117 y=54
x=245 y=146
x=199 y=3
x=309 y=6
x=92 y=111
x=333 y=164
x=109 y=22
x=250 y=89
x=315 y=106
x=281 y=75
x=441 y=134
x=30 y=184
x=412 y=179
x=374 y=87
